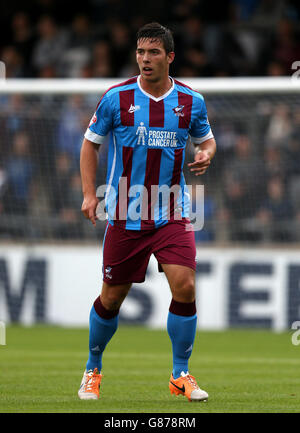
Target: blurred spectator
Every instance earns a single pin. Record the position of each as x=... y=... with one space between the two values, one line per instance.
x=233 y=58
x=198 y=61
x=78 y=50
x=71 y=127
x=275 y=163
x=292 y=163
x=101 y=59
x=226 y=135
x=50 y=47
x=23 y=39
x=19 y=173
x=60 y=182
x=232 y=37
x=207 y=233
x=243 y=10
x=14 y=117
x=293 y=156
x=234 y=210
x=296 y=122
x=228 y=38
x=130 y=69
x=243 y=168
x=280 y=127
x=243 y=181
x=276 y=212
x=268 y=12
x=66 y=199
x=70 y=224
x=120 y=45
x=283 y=46
x=275 y=69
x=3 y=186
x=14 y=62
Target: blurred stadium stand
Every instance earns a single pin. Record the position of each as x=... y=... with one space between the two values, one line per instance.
x=252 y=188
x=40 y=38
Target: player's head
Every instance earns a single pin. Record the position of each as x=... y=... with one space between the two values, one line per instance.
x=155 y=51
x=156 y=32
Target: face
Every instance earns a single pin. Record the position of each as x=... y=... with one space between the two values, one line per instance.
x=152 y=59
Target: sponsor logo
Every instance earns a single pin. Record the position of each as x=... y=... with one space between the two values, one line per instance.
x=178 y=111
x=155 y=138
x=134 y=108
x=141 y=132
x=162 y=138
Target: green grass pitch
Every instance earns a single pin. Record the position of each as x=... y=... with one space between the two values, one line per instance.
x=242 y=370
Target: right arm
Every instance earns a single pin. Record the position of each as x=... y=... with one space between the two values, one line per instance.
x=88 y=170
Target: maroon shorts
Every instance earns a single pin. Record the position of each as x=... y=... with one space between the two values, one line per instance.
x=126 y=253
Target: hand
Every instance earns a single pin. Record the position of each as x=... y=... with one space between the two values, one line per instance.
x=89 y=207
x=201 y=163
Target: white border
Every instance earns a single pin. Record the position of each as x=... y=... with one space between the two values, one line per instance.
x=99 y=86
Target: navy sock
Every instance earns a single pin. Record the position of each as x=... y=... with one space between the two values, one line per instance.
x=181 y=326
x=103 y=325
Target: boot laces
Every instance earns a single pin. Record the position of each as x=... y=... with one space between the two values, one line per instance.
x=92 y=381
x=192 y=381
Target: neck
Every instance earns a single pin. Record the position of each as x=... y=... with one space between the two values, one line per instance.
x=157 y=88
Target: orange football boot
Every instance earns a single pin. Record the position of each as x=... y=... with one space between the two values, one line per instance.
x=186 y=385
x=90 y=385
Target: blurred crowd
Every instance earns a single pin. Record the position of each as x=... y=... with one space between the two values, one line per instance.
x=252 y=188
x=96 y=38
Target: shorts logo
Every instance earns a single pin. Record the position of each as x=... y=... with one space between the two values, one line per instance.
x=108 y=272
x=178 y=111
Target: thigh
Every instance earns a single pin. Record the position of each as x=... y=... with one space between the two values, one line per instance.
x=126 y=255
x=175 y=244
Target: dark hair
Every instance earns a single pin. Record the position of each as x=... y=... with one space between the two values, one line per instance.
x=156 y=31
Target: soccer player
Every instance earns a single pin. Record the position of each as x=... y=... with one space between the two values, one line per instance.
x=150 y=118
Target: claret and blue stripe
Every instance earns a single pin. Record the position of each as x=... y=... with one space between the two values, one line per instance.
x=148 y=137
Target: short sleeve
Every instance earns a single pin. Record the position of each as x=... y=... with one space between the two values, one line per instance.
x=200 y=130
x=101 y=122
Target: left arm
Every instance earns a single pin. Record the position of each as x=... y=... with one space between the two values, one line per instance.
x=204 y=153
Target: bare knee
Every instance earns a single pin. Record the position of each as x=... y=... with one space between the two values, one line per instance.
x=184 y=291
x=112 y=297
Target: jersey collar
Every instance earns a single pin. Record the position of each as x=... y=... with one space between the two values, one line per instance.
x=153 y=97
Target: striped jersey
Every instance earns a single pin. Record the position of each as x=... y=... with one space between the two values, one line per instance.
x=148 y=136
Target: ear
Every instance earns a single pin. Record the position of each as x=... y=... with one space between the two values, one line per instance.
x=171 y=57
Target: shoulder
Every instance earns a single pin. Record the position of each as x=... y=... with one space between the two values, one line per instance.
x=129 y=84
x=112 y=93
x=184 y=88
